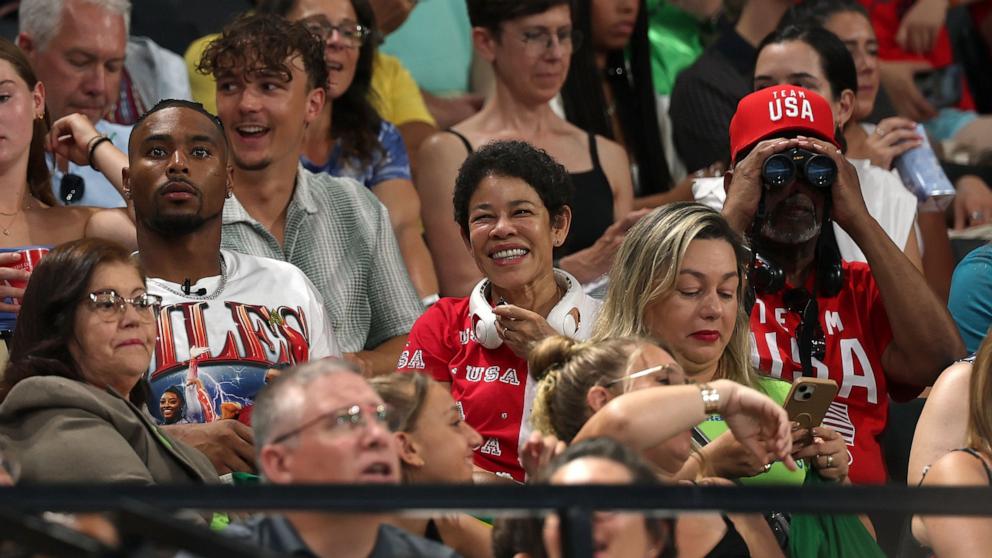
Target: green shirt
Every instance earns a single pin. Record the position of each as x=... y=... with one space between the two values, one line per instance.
x=778 y=474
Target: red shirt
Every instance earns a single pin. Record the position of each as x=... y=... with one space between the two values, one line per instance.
x=885 y=16
x=857 y=332
x=487 y=384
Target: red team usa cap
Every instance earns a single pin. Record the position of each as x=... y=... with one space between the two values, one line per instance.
x=780 y=108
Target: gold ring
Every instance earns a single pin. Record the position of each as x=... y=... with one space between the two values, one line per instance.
x=830 y=461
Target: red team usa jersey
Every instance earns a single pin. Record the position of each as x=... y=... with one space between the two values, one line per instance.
x=488 y=385
x=857 y=332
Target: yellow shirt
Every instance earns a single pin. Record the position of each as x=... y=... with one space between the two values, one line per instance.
x=396 y=96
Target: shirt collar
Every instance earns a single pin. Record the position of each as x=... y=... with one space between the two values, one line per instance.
x=234 y=212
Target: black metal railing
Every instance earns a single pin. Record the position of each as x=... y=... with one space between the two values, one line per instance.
x=146 y=512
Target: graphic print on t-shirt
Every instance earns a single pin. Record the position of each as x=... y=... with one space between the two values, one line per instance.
x=257 y=341
x=857 y=332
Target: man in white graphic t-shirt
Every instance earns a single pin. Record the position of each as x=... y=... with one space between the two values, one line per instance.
x=229 y=321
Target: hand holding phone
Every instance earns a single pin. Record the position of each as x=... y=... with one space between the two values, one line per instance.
x=808 y=401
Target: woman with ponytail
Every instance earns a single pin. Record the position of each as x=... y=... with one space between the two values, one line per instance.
x=635 y=392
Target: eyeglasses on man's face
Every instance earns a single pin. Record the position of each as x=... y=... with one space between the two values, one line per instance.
x=346 y=419
x=110 y=306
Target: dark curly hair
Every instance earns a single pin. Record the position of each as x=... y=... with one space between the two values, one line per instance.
x=491 y=13
x=513 y=159
x=47 y=319
x=264 y=42
x=354 y=120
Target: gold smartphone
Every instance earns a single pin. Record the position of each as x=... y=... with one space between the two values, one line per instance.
x=809 y=399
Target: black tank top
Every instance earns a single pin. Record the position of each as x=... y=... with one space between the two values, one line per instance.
x=592 y=202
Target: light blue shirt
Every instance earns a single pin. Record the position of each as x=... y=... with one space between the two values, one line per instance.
x=97 y=190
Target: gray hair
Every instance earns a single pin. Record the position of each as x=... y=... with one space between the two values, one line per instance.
x=42 y=18
x=282 y=400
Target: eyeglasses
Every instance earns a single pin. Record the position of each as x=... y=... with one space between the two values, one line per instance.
x=671 y=370
x=809 y=335
x=353 y=34
x=111 y=306
x=539 y=41
x=346 y=419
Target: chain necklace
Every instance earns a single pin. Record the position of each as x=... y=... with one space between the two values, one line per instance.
x=210 y=296
x=5 y=229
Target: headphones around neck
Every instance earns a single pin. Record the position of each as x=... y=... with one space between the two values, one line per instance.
x=572 y=314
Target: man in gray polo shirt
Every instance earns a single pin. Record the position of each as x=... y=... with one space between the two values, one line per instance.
x=270 y=85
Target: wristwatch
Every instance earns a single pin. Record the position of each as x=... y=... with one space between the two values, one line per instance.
x=711 y=399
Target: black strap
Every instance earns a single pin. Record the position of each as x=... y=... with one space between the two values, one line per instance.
x=974 y=453
x=593 y=151
x=465 y=142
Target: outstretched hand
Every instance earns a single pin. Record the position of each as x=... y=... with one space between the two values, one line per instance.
x=758 y=423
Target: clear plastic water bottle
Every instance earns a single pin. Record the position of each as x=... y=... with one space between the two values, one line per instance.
x=922 y=175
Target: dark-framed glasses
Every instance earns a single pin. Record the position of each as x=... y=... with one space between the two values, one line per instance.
x=347 y=419
x=538 y=41
x=671 y=372
x=351 y=33
x=110 y=306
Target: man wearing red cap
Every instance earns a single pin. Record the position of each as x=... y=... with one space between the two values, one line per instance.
x=814 y=314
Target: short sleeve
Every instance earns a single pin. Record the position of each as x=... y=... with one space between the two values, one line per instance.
x=428 y=347
x=879 y=327
x=322 y=341
x=397 y=96
x=393 y=301
x=970 y=302
x=392 y=163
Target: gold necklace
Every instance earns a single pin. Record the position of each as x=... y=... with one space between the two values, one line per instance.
x=5 y=229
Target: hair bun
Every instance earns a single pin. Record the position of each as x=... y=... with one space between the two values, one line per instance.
x=550 y=353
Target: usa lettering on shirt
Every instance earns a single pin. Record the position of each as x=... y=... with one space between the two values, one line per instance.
x=857 y=332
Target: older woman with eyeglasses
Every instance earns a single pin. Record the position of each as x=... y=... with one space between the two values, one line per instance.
x=529 y=45
x=70 y=398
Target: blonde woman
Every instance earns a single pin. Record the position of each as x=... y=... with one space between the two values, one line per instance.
x=435 y=447
x=680 y=277
x=970 y=465
x=634 y=392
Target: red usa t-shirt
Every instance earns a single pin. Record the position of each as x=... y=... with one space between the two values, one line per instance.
x=857 y=332
x=488 y=385
x=885 y=16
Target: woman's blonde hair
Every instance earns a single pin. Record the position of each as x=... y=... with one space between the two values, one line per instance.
x=565 y=370
x=979 y=394
x=646 y=269
x=405 y=394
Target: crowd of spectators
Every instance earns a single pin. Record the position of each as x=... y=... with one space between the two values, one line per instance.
x=508 y=242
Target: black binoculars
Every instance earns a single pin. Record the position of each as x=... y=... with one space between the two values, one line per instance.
x=781 y=169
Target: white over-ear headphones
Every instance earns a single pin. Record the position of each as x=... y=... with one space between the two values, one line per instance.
x=572 y=315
